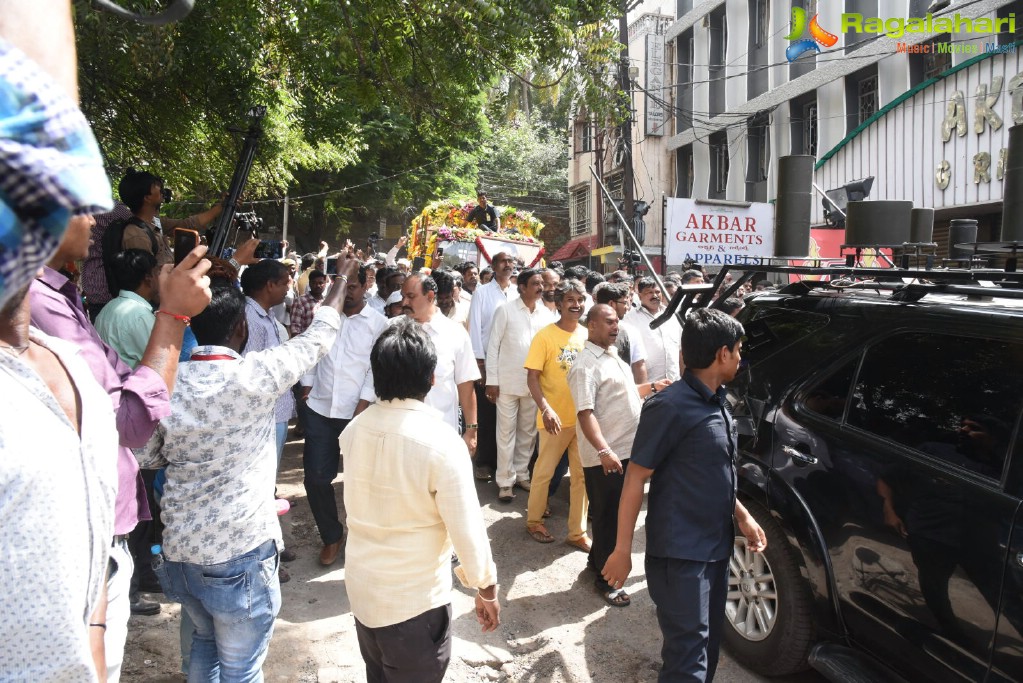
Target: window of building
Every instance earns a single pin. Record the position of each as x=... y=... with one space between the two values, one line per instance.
x=1010 y=37
x=584 y=136
x=759 y=149
x=685 y=172
x=868 y=97
x=862 y=97
x=580 y=210
x=762 y=17
x=902 y=395
x=719 y=161
x=926 y=65
x=809 y=126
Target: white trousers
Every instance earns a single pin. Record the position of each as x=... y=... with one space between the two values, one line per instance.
x=118 y=609
x=516 y=434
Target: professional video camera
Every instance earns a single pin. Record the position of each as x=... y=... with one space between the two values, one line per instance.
x=249 y=223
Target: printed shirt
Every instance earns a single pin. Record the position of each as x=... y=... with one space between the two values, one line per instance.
x=126 y=323
x=485 y=301
x=687 y=437
x=265 y=333
x=510 y=336
x=340 y=377
x=302 y=313
x=600 y=381
x=410 y=498
x=57 y=490
x=139 y=397
x=219 y=448
x=553 y=352
x=663 y=345
x=455 y=365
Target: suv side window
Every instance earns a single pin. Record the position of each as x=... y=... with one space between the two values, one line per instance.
x=948 y=396
x=770 y=330
x=828 y=398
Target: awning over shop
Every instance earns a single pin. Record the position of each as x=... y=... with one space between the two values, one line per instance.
x=576 y=249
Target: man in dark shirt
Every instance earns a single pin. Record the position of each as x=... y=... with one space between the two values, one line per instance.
x=485 y=214
x=685 y=445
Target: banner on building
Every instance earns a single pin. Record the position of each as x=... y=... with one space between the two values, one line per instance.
x=715 y=234
x=655 y=93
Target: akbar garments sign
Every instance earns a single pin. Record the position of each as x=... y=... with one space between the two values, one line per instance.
x=716 y=234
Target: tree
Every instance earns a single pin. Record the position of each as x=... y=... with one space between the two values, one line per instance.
x=358 y=91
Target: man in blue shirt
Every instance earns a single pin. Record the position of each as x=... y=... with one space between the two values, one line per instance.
x=685 y=445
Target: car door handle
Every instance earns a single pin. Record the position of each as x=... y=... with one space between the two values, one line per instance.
x=1019 y=559
x=798 y=456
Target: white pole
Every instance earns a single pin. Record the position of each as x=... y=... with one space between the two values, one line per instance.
x=284 y=229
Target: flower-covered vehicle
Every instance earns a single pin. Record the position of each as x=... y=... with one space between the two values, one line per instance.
x=443 y=235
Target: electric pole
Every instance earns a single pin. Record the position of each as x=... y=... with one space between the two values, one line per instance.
x=625 y=83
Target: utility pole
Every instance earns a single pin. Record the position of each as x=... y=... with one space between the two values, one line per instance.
x=625 y=83
x=285 y=222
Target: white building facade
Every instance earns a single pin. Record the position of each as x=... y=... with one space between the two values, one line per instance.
x=868 y=105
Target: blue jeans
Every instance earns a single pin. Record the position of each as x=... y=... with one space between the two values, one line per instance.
x=280 y=438
x=233 y=605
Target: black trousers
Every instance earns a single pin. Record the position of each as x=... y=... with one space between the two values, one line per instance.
x=486 y=437
x=604 y=492
x=414 y=651
x=690 y=599
x=321 y=460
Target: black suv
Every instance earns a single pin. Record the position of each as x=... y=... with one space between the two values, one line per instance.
x=880 y=449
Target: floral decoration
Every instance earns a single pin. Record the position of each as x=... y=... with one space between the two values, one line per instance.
x=448 y=220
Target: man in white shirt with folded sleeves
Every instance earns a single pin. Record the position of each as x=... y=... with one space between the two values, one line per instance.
x=331 y=392
x=515 y=324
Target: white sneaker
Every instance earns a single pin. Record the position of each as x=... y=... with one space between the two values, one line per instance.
x=505 y=494
x=523 y=484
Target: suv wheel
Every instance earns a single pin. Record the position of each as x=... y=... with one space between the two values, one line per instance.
x=769 y=611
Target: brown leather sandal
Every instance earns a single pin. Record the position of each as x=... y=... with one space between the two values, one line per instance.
x=539 y=533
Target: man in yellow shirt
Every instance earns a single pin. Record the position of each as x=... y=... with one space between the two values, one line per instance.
x=551 y=355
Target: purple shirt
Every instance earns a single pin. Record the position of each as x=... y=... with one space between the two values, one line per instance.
x=140 y=397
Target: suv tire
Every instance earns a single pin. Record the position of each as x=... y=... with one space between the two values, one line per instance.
x=769 y=614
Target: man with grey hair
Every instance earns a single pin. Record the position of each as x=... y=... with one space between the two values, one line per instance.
x=485 y=300
x=663 y=345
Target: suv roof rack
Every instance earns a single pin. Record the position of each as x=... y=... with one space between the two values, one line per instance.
x=906 y=284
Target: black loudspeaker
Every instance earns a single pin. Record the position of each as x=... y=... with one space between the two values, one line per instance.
x=875 y=223
x=792 y=210
x=1012 y=189
x=961 y=230
x=921 y=226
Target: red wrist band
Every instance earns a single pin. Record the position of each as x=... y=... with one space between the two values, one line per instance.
x=183 y=318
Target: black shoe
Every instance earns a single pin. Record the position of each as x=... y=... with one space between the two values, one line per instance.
x=288 y=556
x=145 y=608
x=282 y=575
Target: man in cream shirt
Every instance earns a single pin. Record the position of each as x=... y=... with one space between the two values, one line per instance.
x=410 y=498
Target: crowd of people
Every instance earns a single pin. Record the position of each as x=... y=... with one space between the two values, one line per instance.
x=145 y=413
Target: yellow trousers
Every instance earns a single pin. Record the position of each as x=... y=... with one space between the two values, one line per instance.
x=552 y=447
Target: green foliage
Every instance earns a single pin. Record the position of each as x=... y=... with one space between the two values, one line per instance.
x=383 y=96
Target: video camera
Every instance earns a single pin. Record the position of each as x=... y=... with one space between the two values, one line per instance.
x=249 y=222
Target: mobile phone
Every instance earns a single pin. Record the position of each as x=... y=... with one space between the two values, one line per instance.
x=269 y=249
x=332 y=265
x=185 y=240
